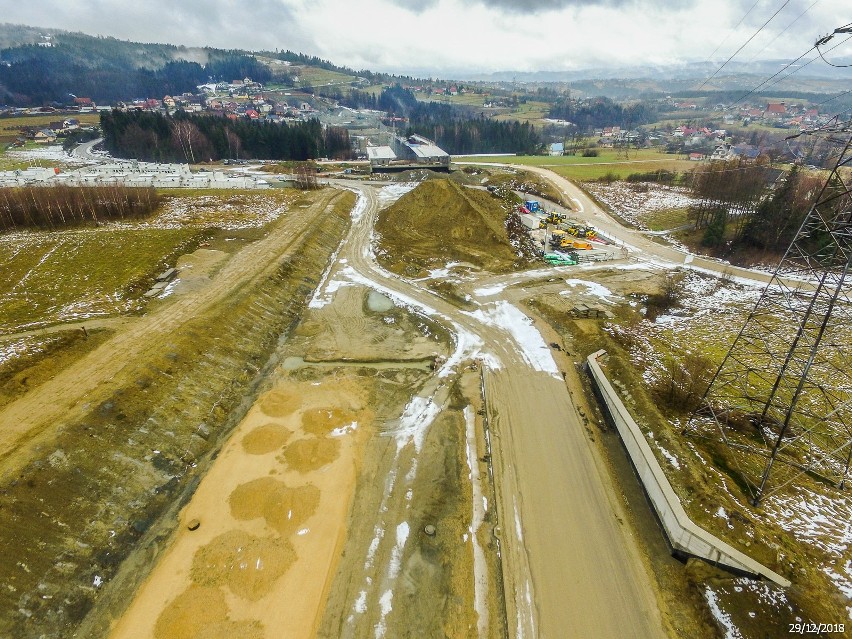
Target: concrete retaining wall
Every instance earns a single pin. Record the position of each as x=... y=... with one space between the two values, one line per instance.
x=685 y=536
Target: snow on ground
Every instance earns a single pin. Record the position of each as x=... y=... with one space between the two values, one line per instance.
x=230 y=213
x=49 y=153
x=824 y=522
x=724 y=619
x=531 y=345
x=634 y=201
x=480 y=566
x=592 y=288
x=23 y=346
x=390 y=194
x=488 y=291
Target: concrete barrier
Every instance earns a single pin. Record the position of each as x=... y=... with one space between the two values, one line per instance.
x=685 y=536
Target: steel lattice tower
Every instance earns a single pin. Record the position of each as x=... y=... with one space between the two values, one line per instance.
x=780 y=404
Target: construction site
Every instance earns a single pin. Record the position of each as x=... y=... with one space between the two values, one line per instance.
x=434 y=408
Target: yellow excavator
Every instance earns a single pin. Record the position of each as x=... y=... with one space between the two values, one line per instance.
x=582 y=231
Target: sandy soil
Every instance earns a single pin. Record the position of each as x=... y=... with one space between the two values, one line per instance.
x=272 y=513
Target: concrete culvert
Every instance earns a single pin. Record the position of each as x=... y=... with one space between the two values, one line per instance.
x=430 y=530
x=193 y=524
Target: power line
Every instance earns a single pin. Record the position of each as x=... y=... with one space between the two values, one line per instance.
x=786 y=2
x=809 y=62
x=710 y=57
x=844 y=29
x=791 y=63
x=839 y=95
x=784 y=68
x=815 y=2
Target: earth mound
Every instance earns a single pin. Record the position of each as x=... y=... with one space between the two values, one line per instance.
x=441 y=222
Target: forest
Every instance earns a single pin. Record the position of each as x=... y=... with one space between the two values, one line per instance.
x=63 y=206
x=108 y=70
x=199 y=138
x=459 y=130
x=751 y=205
x=599 y=112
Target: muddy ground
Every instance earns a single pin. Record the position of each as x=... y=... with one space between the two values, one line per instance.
x=288 y=514
x=90 y=484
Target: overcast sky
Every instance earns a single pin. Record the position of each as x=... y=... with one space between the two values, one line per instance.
x=442 y=37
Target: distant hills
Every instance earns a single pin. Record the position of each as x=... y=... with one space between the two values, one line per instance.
x=45 y=66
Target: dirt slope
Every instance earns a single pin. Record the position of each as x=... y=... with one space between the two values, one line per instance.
x=440 y=222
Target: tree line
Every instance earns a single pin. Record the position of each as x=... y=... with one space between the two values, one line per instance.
x=108 y=70
x=459 y=130
x=194 y=138
x=602 y=112
x=51 y=207
x=751 y=205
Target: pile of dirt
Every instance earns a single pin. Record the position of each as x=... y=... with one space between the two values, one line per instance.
x=441 y=222
x=321 y=421
x=279 y=403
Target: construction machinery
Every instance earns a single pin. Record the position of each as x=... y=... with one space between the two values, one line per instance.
x=554 y=218
x=561 y=239
x=586 y=232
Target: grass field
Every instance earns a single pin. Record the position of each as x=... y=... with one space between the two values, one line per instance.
x=314 y=76
x=576 y=167
x=668 y=219
x=66 y=275
x=11 y=127
x=532 y=112
x=10 y=163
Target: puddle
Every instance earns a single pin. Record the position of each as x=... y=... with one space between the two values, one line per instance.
x=379 y=303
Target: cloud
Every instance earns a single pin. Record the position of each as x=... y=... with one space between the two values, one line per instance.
x=436 y=37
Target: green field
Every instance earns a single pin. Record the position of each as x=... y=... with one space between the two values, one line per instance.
x=10 y=128
x=667 y=219
x=66 y=275
x=465 y=99
x=314 y=76
x=532 y=112
x=576 y=167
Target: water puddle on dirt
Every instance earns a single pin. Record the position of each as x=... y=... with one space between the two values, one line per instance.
x=246 y=564
x=266 y=439
x=283 y=507
x=378 y=302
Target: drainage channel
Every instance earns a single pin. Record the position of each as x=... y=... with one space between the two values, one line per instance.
x=295 y=363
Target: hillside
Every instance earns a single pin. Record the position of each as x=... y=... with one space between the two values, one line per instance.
x=57 y=64
x=441 y=222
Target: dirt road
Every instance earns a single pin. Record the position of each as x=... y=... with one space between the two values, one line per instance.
x=571 y=568
x=39 y=413
x=586 y=210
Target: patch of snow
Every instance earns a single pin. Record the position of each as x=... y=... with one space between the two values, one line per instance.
x=390 y=194
x=343 y=430
x=592 y=288
x=518 y=528
x=672 y=459
x=529 y=341
x=488 y=291
x=724 y=619
x=480 y=565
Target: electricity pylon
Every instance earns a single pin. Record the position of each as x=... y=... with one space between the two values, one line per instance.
x=781 y=401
